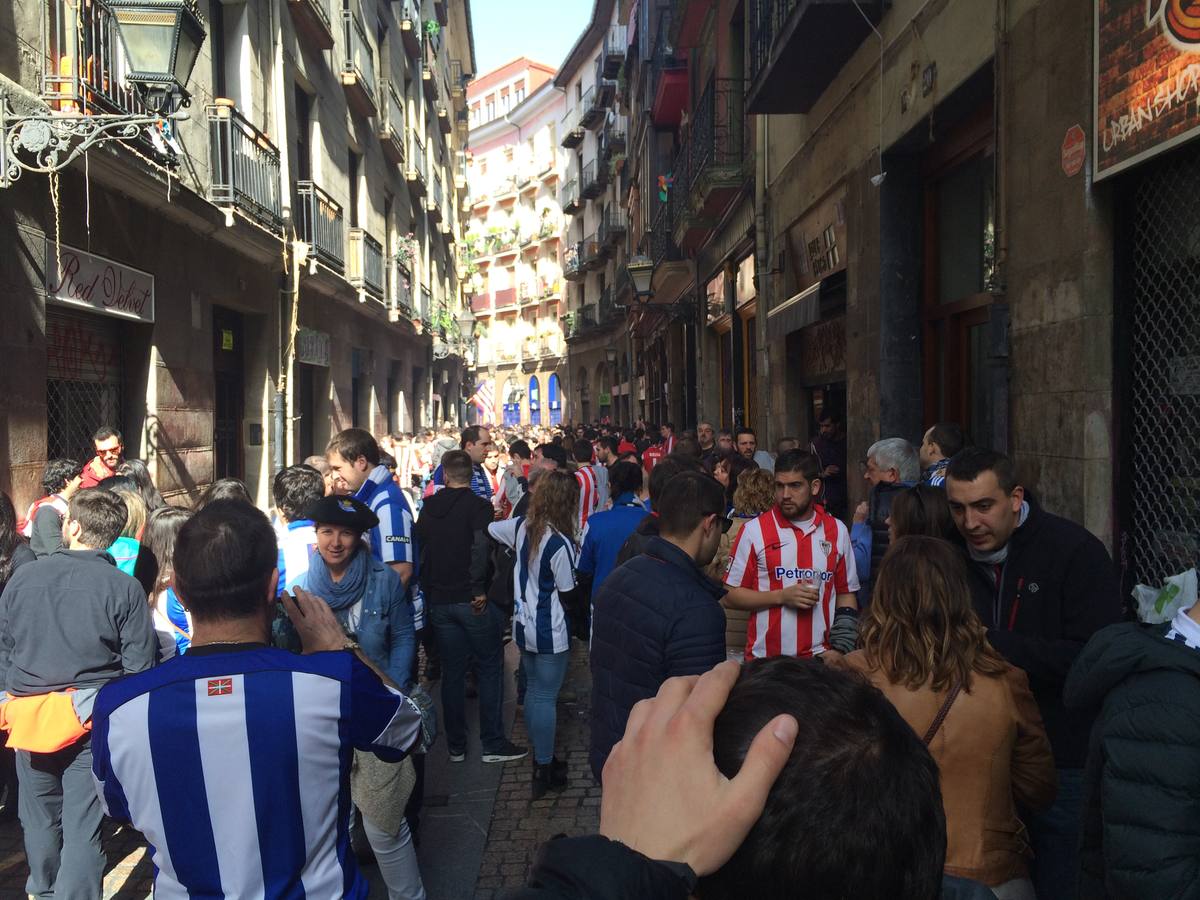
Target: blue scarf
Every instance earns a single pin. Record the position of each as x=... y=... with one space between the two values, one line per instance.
x=341 y=594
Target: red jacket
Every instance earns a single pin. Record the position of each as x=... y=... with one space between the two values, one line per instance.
x=95 y=472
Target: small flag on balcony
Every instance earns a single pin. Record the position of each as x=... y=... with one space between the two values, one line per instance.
x=484 y=400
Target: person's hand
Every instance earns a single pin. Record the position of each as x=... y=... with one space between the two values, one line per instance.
x=478 y=604
x=664 y=795
x=801 y=596
x=861 y=512
x=314 y=622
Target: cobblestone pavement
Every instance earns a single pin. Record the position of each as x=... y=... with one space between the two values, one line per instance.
x=128 y=876
x=520 y=825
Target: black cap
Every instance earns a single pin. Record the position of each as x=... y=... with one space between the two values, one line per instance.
x=345 y=512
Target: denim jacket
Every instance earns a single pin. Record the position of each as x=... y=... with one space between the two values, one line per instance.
x=385 y=628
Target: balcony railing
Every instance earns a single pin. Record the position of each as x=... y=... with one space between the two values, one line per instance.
x=680 y=197
x=767 y=22
x=425 y=304
x=391 y=128
x=582 y=321
x=612 y=226
x=572 y=131
x=436 y=198
x=481 y=303
x=593 y=251
x=358 y=67
x=400 y=294
x=573 y=261
x=668 y=77
x=321 y=224
x=570 y=198
x=612 y=142
x=718 y=130
x=364 y=268
x=412 y=31
x=606 y=309
x=458 y=83
x=594 y=179
x=85 y=63
x=590 y=114
x=415 y=172
x=506 y=298
x=313 y=22
x=615 y=45
x=662 y=243
x=245 y=166
x=527 y=292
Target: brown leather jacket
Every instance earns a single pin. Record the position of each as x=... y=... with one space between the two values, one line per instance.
x=993 y=753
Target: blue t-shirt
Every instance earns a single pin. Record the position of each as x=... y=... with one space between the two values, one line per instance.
x=604 y=535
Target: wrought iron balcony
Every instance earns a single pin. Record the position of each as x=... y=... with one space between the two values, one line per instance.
x=582 y=321
x=245 y=166
x=573 y=262
x=313 y=22
x=415 y=172
x=458 y=81
x=606 y=309
x=662 y=243
x=572 y=130
x=679 y=199
x=321 y=224
x=433 y=204
x=364 y=264
x=527 y=293
x=615 y=45
x=594 y=180
x=412 y=32
x=391 y=128
x=425 y=306
x=606 y=89
x=358 y=67
x=571 y=204
x=668 y=77
x=443 y=118
x=594 y=253
x=591 y=113
x=797 y=48
x=400 y=289
x=612 y=226
x=85 y=65
x=429 y=80
x=612 y=142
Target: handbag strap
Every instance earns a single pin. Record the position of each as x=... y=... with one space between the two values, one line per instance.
x=936 y=724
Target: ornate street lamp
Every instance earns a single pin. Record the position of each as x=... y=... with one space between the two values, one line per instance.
x=641 y=271
x=161 y=40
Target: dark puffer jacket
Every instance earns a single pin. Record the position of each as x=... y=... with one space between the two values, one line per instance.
x=655 y=617
x=1141 y=830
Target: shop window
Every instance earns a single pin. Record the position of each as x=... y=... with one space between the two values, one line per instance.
x=84 y=381
x=959 y=276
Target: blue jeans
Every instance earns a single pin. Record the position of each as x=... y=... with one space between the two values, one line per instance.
x=545 y=672
x=462 y=635
x=1055 y=838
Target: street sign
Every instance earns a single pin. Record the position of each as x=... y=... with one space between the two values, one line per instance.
x=1074 y=150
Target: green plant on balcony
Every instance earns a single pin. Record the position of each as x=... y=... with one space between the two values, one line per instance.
x=616 y=164
x=407 y=250
x=432 y=27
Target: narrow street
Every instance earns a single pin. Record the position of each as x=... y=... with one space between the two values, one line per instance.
x=479 y=829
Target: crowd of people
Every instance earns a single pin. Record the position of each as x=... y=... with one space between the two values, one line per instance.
x=933 y=694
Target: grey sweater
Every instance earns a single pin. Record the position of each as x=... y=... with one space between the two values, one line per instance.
x=72 y=620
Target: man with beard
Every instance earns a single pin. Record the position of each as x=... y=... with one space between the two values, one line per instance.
x=793 y=567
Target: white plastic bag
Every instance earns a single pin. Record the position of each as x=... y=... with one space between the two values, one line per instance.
x=1158 y=605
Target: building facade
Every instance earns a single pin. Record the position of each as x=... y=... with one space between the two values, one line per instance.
x=512 y=251
x=593 y=134
x=287 y=270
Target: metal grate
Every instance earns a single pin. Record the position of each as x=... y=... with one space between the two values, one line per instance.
x=1163 y=431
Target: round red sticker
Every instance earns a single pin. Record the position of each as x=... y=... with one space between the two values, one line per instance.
x=1074 y=150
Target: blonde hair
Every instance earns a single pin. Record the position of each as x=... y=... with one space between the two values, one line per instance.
x=135 y=518
x=555 y=504
x=921 y=627
x=755 y=492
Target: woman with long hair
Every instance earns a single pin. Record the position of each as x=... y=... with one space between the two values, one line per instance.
x=753 y=495
x=136 y=469
x=543 y=542
x=126 y=548
x=727 y=467
x=925 y=648
x=922 y=509
x=155 y=572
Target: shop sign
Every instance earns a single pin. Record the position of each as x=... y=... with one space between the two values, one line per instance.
x=98 y=284
x=1147 y=80
x=816 y=245
x=1074 y=151
x=312 y=347
x=606 y=399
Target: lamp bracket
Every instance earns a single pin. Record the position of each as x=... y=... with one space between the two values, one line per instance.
x=48 y=142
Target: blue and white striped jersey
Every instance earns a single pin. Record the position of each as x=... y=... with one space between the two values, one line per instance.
x=391 y=539
x=541 y=573
x=236 y=767
x=297 y=542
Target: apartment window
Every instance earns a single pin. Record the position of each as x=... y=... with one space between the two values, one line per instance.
x=352 y=173
x=518 y=94
x=303 y=134
x=578 y=91
x=504 y=98
x=508 y=154
x=489 y=109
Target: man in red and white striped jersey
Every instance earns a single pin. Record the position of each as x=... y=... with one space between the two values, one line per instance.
x=794 y=568
x=593 y=482
x=667 y=433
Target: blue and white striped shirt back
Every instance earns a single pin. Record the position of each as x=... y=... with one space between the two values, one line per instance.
x=540 y=575
x=391 y=539
x=236 y=768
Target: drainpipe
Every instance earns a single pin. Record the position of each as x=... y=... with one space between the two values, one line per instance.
x=288 y=307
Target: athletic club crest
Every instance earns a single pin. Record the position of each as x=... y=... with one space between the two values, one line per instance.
x=826 y=547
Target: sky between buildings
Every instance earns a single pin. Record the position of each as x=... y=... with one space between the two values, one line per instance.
x=543 y=30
